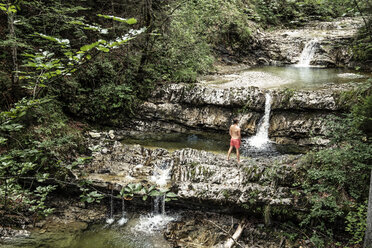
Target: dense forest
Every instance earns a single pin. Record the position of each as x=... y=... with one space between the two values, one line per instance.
x=70 y=66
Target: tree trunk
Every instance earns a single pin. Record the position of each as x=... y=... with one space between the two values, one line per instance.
x=368 y=235
x=364 y=19
x=14 y=48
x=148 y=21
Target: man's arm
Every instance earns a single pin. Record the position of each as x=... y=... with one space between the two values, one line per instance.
x=240 y=137
x=230 y=131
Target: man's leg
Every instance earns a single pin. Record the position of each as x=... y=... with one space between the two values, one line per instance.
x=237 y=154
x=228 y=153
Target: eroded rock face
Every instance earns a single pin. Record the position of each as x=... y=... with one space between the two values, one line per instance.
x=205 y=176
x=333 y=39
x=198 y=176
x=296 y=115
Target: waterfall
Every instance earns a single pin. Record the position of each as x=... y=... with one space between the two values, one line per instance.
x=307 y=53
x=262 y=136
x=161 y=174
x=158 y=219
x=123 y=218
x=161 y=178
x=159 y=205
x=111 y=219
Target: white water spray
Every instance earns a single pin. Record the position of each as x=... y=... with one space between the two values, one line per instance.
x=111 y=220
x=161 y=175
x=308 y=53
x=123 y=218
x=262 y=136
x=158 y=219
x=161 y=178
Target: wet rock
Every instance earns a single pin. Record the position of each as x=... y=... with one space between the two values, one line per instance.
x=95 y=135
x=199 y=176
x=295 y=114
x=195 y=229
x=7 y=234
x=334 y=39
x=111 y=134
x=263 y=61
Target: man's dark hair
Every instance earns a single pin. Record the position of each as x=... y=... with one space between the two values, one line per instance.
x=235 y=121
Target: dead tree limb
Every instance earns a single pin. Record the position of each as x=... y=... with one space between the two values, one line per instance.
x=230 y=242
x=233 y=237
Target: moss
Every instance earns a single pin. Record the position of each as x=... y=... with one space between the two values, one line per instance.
x=267 y=215
x=287 y=95
x=246 y=108
x=226 y=194
x=190 y=86
x=347 y=99
x=193 y=173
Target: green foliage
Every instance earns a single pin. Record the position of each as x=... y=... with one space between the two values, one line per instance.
x=362 y=115
x=44 y=66
x=35 y=139
x=49 y=142
x=277 y=12
x=196 y=30
x=129 y=21
x=90 y=196
x=362 y=44
x=38 y=204
x=131 y=190
x=356 y=222
x=338 y=176
x=100 y=94
x=8 y=8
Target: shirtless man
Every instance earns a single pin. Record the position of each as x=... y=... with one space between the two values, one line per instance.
x=235 y=139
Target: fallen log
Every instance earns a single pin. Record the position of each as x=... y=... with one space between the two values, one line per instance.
x=234 y=238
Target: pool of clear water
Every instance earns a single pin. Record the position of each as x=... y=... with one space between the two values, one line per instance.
x=173 y=141
x=216 y=143
x=141 y=231
x=286 y=77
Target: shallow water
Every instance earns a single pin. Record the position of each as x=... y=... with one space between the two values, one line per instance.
x=216 y=143
x=174 y=141
x=139 y=232
x=286 y=77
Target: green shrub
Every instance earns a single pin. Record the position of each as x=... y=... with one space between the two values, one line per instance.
x=37 y=143
x=356 y=222
x=336 y=178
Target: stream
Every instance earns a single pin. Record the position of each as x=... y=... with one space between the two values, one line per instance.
x=145 y=230
x=295 y=77
x=141 y=231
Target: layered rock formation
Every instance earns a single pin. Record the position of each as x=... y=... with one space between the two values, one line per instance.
x=198 y=177
x=297 y=116
x=333 y=39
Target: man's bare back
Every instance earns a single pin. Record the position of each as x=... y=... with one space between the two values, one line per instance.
x=235 y=139
x=235 y=131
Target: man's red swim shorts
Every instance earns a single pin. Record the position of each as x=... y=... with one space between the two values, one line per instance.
x=235 y=143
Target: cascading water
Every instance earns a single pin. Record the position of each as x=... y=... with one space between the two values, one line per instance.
x=308 y=53
x=159 y=205
x=111 y=219
x=123 y=218
x=161 y=177
x=260 y=143
x=262 y=136
x=158 y=219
